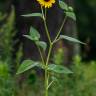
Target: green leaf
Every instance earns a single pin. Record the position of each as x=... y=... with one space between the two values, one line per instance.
x=59 y=69
x=70 y=39
x=28 y=36
x=54 y=79
x=26 y=65
x=71 y=15
x=33 y=15
x=40 y=65
x=63 y=5
x=42 y=44
x=70 y=9
x=34 y=34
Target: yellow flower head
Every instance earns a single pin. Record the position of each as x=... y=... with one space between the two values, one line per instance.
x=46 y=3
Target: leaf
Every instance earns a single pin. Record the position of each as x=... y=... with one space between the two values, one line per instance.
x=63 y=5
x=41 y=66
x=71 y=15
x=70 y=9
x=42 y=44
x=33 y=15
x=28 y=37
x=70 y=39
x=54 y=78
x=26 y=65
x=34 y=34
x=59 y=69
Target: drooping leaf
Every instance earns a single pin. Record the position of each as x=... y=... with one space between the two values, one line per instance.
x=33 y=15
x=63 y=5
x=26 y=65
x=71 y=15
x=59 y=69
x=42 y=44
x=34 y=34
x=70 y=39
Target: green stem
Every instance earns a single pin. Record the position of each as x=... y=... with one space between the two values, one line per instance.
x=41 y=55
x=46 y=82
x=46 y=71
x=49 y=53
x=45 y=25
x=60 y=29
x=45 y=12
x=50 y=84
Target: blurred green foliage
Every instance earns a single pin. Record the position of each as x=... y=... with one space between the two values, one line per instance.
x=81 y=83
x=4 y=70
x=8 y=85
x=6 y=35
x=59 y=56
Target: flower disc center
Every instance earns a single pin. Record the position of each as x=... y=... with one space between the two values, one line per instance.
x=46 y=0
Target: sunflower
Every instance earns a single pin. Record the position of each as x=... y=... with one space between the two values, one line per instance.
x=46 y=3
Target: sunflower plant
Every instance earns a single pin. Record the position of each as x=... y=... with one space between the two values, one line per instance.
x=34 y=35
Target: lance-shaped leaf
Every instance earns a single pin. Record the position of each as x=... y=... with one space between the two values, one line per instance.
x=70 y=39
x=71 y=15
x=26 y=65
x=33 y=35
x=63 y=5
x=59 y=69
x=28 y=37
x=68 y=10
x=42 y=44
x=33 y=15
